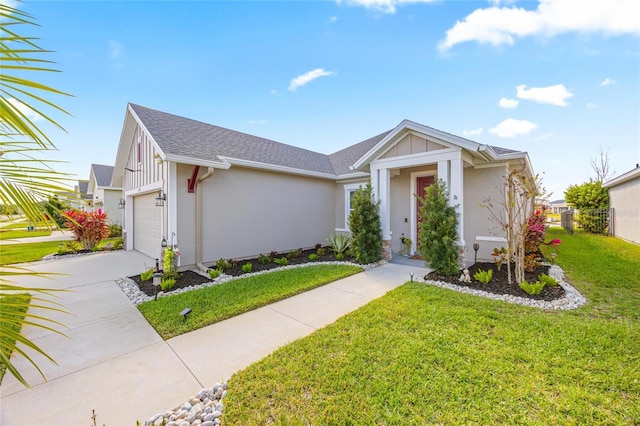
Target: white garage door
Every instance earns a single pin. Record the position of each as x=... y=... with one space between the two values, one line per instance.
x=146 y=225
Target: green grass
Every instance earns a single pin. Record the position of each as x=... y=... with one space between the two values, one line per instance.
x=212 y=304
x=427 y=355
x=15 y=312
x=26 y=252
x=22 y=233
x=32 y=252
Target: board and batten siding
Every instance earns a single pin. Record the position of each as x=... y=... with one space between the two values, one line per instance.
x=142 y=159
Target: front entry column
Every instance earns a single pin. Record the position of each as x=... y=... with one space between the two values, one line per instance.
x=381 y=182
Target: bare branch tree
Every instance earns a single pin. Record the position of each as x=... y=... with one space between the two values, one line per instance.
x=601 y=166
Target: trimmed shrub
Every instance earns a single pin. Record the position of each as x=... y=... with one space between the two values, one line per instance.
x=364 y=223
x=438 y=231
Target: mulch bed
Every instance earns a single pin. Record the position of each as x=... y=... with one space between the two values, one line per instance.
x=185 y=279
x=189 y=278
x=499 y=283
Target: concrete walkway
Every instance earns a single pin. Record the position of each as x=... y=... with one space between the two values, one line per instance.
x=115 y=363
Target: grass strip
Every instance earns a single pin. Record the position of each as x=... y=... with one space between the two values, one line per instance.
x=26 y=252
x=427 y=355
x=212 y=304
x=12 y=310
x=13 y=234
x=32 y=252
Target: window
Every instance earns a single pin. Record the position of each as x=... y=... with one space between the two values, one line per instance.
x=349 y=190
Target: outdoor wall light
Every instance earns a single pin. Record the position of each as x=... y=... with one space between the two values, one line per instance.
x=161 y=198
x=476 y=247
x=121 y=204
x=164 y=243
x=157 y=279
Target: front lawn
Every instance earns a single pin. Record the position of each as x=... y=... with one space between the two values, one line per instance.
x=13 y=307
x=216 y=303
x=22 y=233
x=32 y=252
x=427 y=355
x=26 y=252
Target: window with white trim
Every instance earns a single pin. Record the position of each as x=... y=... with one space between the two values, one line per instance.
x=349 y=190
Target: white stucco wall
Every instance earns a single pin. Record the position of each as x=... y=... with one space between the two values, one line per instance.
x=247 y=212
x=625 y=200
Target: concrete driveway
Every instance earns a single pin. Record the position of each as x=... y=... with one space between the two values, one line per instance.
x=113 y=361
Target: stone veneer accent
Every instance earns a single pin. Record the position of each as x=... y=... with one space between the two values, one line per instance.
x=386 y=250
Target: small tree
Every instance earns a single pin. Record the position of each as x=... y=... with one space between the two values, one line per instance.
x=512 y=214
x=438 y=231
x=88 y=227
x=364 y=223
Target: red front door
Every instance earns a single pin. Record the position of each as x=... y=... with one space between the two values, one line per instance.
x=421 y=187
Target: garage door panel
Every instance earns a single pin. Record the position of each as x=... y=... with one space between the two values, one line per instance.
x=146 y=225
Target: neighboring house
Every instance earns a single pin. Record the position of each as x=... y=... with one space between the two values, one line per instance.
x=624 y=198
x=102 y=194
x=559 y=206
x=218 y=193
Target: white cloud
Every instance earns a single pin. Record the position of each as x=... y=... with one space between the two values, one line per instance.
x=333 y=19
x=553 y=95
x=303 y=79
x=501 y=25
x=263 y=121
x=24 y=109
x=474 y=132
x=115 y=49
x=511 y=127
x=591 y=105
x=607 y=81
x=384 y=6
x=508 y=103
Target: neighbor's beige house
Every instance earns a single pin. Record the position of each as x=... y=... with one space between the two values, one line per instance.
x=227 y=194
x=624 y=198
x=102 y=195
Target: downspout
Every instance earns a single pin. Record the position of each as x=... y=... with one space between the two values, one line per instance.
x=199 y=219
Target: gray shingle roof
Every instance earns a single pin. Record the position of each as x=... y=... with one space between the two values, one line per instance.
x=500 y=151
x=189 y=138
x=195 y=139
x=83 y=186
x=344 y=159
x=103 y=174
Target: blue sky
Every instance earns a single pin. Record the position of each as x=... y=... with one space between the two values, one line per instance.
x=555 y=78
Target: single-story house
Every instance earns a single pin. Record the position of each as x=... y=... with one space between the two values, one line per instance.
x=219 y=193
x=102 y=194
x=559 y=206
x=624 y=199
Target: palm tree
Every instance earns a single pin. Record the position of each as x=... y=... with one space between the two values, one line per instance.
x=25 y=180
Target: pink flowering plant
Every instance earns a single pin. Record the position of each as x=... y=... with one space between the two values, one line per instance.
x=89 y=228
x=535 y=233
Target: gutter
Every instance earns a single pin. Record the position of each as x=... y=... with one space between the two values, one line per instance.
x=199 y=219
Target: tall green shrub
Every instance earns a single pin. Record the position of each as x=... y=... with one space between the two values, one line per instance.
x=438 y=231
x=590 y=198
x=364 y=223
